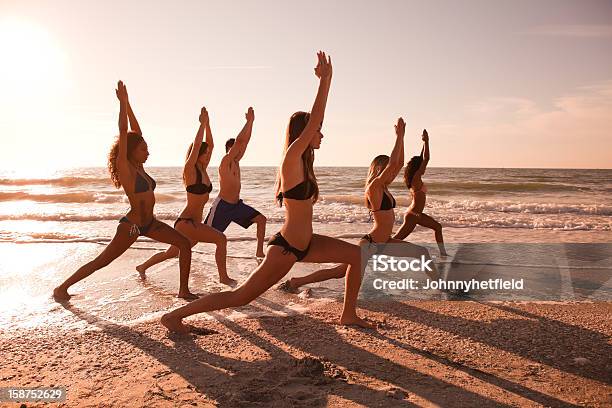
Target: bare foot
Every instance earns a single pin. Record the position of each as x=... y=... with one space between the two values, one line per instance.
x=228 y=281
x=356 y=321
x=173 y=324
x=187 y=295
x=286 y=286
x=260 y=254
x=61 y=295
x=141 y=270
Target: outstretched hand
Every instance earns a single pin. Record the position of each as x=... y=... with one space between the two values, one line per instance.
x=121 y=92
x=425 y=136
x=323 y=70
x=400 y=128
x=250 y=115
x=203 y=116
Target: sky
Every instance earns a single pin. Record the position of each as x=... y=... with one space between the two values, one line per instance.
x=496 y=83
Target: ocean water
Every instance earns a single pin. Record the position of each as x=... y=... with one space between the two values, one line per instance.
x=45 y=208
x=51 y=224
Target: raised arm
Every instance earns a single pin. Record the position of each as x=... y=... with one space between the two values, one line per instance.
x=424 y=152
x=197 y=142
x=209 y=138
x=121 y=162
x=396 y=160
x=401 y=158
x=323 y=71
x=242 y=140
x=121 y=92
x=134 y=127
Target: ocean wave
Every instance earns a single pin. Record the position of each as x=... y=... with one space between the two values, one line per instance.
x=484 y=187
x=504 y=187
x=60 y=181
x=527 y=208
x=557 y=225
x=484 y=206
x=51 y=237
x=17 y=237
x=79 y=197
x=71 y=217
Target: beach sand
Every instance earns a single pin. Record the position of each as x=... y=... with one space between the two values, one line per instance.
x=108 y=348
x=460 y=354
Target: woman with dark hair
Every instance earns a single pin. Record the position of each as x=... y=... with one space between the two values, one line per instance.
x=125 y=164
x=296 y=187
x=198 y=187
x=415 y=215
x=380 y=202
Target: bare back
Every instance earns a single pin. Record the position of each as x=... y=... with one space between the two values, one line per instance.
x=229 y=179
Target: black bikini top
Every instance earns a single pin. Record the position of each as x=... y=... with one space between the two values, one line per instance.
x=302 y=191
x=141 y=185
x=387 y=202
x=199 y=187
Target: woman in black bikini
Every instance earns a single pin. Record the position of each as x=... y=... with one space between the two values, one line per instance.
x=297 y=188
x=415 y=215
x=125 y=161
x=198 y=187
x=383 y=171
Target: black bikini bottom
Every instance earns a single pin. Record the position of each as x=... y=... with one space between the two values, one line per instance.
x=278 y=240
x=137 y=229
x=380 y=246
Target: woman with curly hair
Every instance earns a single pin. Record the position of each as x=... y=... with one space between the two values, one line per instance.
x=125 y=164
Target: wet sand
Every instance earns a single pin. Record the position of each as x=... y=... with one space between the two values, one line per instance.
x=460 y=354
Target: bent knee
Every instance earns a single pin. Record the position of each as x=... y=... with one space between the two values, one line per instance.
x=183 y=244
x=410 y=218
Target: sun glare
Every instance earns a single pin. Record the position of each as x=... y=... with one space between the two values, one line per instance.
x=32 y=64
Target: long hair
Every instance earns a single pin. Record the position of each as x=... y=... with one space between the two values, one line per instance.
x=377 y=166
x=203 y=150
x=133 y=140
x=296 y=126
x=411 y=168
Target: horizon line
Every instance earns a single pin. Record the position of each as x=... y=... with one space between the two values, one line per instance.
x=349 y=166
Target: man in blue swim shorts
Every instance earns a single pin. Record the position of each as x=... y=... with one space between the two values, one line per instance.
x=228 y=207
